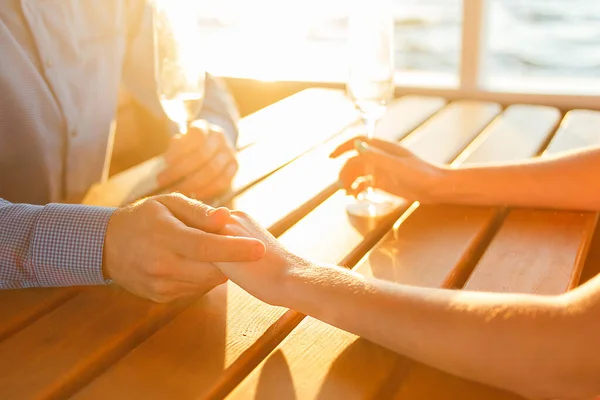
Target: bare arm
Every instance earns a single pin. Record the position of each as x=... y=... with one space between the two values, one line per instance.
x=537 y=346
x=566 y=181
x=540 y=347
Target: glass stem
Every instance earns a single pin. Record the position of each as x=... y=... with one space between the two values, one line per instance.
x=370 y=124
x=183 y=127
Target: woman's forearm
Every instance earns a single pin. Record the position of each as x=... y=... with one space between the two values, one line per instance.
x=569 y=181
x=528 y=344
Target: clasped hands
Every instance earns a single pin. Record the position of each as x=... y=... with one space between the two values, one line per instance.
x=168 y=247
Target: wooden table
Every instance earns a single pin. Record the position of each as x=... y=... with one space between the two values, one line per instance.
x=103 y=343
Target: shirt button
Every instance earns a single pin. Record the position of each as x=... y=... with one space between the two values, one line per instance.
x=49 y=63
x=73 y=133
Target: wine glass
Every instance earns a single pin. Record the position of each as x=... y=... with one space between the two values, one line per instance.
x=180 y=79
x=370 y=86
x=180 y=73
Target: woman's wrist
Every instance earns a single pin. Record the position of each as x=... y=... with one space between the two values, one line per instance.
x=446 y=188
x=315 y=289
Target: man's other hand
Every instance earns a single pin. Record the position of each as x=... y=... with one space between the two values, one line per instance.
x=205 y=160
x=161 y=248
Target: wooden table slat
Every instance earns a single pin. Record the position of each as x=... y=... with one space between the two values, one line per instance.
x=20 y=307
x=538 y=252
x=283 y=115
x=527 y=232
x=533 y=252
x=430 y=247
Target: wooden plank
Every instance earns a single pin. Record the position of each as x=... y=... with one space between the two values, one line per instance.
x=539 y=252
x=294 y=131
x=241 y=310
x=571 y=233
x=20 y=307
x=252 y=128
x=118 y=332
x=433 y=246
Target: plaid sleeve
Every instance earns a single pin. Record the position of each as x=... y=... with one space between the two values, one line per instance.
x=52 y=245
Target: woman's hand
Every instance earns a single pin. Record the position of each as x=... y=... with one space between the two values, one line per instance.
x=265 y=279
x=394 y=169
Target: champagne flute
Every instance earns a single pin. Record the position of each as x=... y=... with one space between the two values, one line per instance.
x=370 y=86
x=180 y=80
x=180 y=74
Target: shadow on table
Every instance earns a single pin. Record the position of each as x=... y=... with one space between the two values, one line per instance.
x=348 y=378
x=275 y=381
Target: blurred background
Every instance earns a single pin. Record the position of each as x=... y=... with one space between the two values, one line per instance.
x=275 y=40
x=266 y=50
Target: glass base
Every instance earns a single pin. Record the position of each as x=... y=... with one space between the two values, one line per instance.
x=373 y=203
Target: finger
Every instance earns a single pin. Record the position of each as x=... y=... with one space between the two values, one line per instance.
x=358 y=167
x=197 y=245
x=384 y=182
x=222 y=182
x=195 y=274
x=353 y=168
x=374 y=157
x=165 y=291
x=391 y=148
x=242 y=224
x=347 y=146
x=196 y=160
x=384 y=145
x=215 y=169
x=182 y=145
x=195 y=214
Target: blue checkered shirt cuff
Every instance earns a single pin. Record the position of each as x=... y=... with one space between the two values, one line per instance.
x=54 y=245
x=69 y=243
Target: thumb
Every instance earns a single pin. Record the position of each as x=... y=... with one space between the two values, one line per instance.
x=195 y=214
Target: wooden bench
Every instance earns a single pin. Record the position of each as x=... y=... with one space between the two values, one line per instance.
x=102 y=342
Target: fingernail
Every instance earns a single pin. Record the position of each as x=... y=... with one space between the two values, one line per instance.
x=211 y=211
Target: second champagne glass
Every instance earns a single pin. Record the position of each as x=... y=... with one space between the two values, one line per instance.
x=370 y=85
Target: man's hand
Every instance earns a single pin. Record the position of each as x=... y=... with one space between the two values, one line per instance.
x=267 y=278
x=161 y=248
x=203 y=158
x=395 y=170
